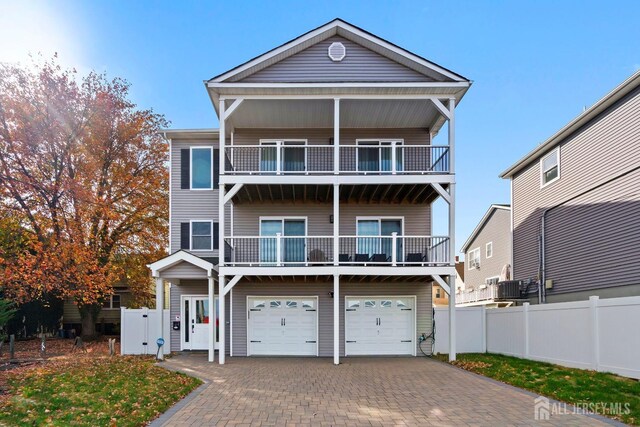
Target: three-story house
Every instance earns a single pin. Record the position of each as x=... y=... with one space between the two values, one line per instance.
x=302 y=226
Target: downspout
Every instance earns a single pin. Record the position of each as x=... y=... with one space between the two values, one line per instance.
x=542 y=292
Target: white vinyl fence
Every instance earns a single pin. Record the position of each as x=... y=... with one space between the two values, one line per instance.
x=599 y=334
x=139 y=331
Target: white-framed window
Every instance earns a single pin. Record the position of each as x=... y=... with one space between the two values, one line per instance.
x=283 y=155
x=488 y=253
x=474 y=258
x=113 y=302
x=201 y=235
x=201 y=168
x=376 y=155
x=550 y=168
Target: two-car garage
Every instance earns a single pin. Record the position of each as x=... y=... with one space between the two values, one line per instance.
x=291 y=326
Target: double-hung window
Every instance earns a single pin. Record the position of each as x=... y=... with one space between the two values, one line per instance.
x=489 y=250
x=201 y=235
x=113 y=301
x=474 y=258
x=201 y=168
x=550 y=168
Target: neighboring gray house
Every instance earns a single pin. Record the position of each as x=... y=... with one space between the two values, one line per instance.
x=576 y=203
x=303 y=223
x=487 y=258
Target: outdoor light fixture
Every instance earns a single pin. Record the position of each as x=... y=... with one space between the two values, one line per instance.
x=330 y=219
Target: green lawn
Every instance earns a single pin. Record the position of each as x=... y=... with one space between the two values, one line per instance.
x=574 y=386
x=116 y=391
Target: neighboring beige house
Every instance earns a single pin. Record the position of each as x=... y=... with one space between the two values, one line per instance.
x=487 y=259
x=302 y=225
x=576 y=203
x=108 y=321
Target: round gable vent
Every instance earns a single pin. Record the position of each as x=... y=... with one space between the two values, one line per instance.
x=337 y=51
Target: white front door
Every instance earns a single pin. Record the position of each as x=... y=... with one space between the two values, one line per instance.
x=380 y=325
x=284 y=326
x=196 y=315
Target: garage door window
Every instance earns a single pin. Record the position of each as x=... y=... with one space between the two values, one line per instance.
x=275 y=304
x=353 y=303
x=258 y=304
x=401 y=303
x=292 y=304
x=307 y=304
x=385 y=303
x=369 y=304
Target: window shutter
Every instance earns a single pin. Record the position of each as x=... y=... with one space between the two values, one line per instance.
x=185 y=232
x=185 y=174
x=216 y=167
x=216 y=236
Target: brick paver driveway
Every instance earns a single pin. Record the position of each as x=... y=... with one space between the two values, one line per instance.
x=361 y=391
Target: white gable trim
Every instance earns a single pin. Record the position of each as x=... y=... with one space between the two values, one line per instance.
x=175 y=259
x=336 y=27
x=481 y=224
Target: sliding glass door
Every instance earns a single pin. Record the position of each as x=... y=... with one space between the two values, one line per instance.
x=379 y=245
x=377 y=156
x=292 y=241
x=293 y=156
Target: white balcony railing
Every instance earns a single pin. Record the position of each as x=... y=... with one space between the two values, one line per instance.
x=483 y=293
x=320 y=159
x=291 y=251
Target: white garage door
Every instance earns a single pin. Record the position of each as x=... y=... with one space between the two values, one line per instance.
x=380 y=325
x=283 y=326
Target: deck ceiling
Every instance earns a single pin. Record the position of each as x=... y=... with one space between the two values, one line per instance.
x=388 y=193
x=275 y=278
x=318 y=113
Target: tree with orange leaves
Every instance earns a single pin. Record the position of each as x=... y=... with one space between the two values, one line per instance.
x=84 y=172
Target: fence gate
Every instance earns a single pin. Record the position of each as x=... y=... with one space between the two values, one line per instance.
x=139 y=331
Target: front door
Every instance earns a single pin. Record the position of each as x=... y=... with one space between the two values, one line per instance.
x=195 y=314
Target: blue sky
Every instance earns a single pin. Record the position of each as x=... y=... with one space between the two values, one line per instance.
x=535 y=65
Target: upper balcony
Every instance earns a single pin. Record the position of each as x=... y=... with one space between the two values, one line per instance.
x=370 y=157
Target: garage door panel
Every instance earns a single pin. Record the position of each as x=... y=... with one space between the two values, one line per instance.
x=282 y=326
x=379 y=325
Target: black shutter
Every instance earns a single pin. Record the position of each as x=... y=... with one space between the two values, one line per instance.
x=185 y=175
x=216 y=167
x=216 y=236
x=185 y=233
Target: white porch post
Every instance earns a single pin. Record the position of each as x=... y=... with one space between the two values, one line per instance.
x=336 y=223
x=212 y=320
x=452 y=232
x=222 y=321
x=336 y=136
x=159 y=310
x=336 y=319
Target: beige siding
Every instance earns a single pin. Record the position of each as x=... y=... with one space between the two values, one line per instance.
x=422 y=291
x=247 y=216
x=314 y=65
x=595 y=233
x=189 y=205
x=71 y=314
x=184 y=270
x=497 y=230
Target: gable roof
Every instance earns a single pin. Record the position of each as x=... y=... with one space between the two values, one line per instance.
x=481 y=224
x=178 y=257
x=596 y=109
x=350 y=32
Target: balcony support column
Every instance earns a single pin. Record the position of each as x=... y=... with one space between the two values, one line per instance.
x=222 y=319
x=336 y=223
x=212 y=317
x=336 y=136
x=452 y=233
x=336 y=319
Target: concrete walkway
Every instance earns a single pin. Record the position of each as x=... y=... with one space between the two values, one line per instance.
x=361 y=391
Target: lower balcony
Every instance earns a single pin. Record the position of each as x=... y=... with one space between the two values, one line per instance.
x=353 y=251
